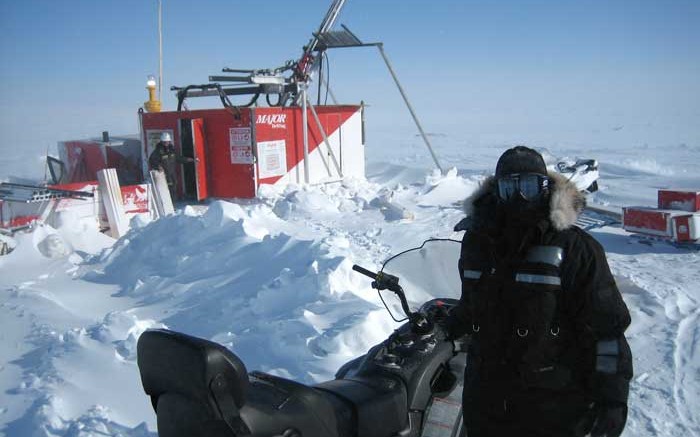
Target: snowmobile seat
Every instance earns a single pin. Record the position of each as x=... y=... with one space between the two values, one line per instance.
x=276 y=404
x=200 y=388
x=379 y=404
x=197 y=387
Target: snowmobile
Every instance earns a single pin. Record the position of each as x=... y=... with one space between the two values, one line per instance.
x=409 y=385
x=582 y=172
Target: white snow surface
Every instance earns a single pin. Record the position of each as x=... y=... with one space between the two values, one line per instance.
x=271 y=279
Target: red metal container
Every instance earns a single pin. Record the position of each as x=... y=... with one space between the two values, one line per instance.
x=649 y=221
x=237 y=150
x=683 y=200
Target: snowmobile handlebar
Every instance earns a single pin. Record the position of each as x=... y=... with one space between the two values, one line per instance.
x=382 y=281
x=385 y=281
x=364 y=271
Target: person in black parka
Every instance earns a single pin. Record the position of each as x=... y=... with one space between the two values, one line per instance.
x=548 y=355
x=164 y=158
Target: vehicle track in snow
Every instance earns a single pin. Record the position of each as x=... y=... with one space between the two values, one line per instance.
x=659 y=284
x=687 y=372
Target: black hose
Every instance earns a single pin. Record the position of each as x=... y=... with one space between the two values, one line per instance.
x=328 y=78
x=279 y=100
x=225 y=101
x=251 y=102
x=320 y=81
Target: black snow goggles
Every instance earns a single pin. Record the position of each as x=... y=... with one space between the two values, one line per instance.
x=529 y=185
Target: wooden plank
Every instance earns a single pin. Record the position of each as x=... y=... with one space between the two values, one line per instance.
x=112 y=200
x=161 y=194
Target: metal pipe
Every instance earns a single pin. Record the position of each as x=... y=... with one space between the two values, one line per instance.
x=160 y=50
x=237 y=70
x=245 y=79
x=325 y=140
x=46 y=189
x=323 y=160
x=380 y=46
x=212 y=90
x=305 y=131
x=326 y=24
x=362 y=120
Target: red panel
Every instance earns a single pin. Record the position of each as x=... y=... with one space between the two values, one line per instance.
x=89 y=186
x=651 y=219
x=681 y=225
x=21 y=221
x=227 y=179
x=135 y=198
x=85 y=158
x=684 y=200
x=200 y=157
x=332 y=122
x=331 y=118
x=287 y=123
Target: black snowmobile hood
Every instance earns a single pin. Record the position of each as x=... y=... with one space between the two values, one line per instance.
x=566 y=202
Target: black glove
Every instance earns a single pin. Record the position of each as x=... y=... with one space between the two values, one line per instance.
x=454 y=327
x=608 y=419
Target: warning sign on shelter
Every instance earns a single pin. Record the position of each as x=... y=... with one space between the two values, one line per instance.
x=272 y=158
x=241 y=145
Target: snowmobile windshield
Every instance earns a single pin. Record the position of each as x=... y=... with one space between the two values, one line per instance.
x=426 y=272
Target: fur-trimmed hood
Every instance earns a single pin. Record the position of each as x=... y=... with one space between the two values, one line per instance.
x=566 y=202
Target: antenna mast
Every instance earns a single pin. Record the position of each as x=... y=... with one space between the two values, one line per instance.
x=160 y=50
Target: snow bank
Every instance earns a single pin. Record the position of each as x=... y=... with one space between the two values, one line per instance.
x=229 y=274
x=448 y=189
x=647 y=165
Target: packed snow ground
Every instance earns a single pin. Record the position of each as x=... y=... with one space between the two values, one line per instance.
x=271 y=279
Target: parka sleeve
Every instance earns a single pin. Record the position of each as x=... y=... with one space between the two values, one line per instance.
x=600 y=319
x=154 y=160
x=183 y=159
x=460 y=320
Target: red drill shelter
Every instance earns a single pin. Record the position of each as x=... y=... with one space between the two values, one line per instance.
x=237 y=150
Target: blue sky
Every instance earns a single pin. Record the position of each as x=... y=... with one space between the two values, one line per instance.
x=557 y=71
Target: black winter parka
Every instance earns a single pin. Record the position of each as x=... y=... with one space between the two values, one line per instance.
x=545 y=316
